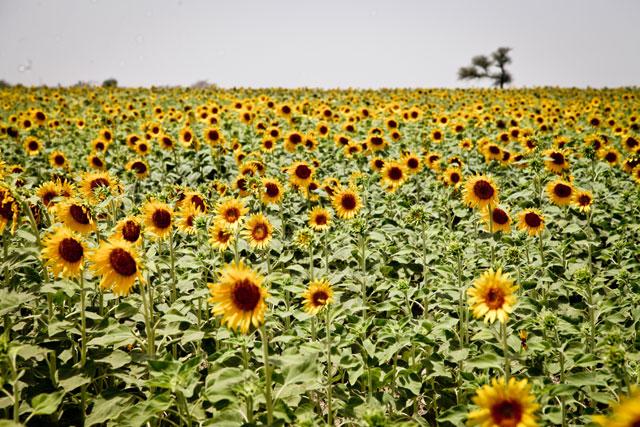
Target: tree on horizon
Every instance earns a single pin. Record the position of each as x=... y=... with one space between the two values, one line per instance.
x=481 y=68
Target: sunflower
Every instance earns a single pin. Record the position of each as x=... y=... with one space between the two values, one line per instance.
x=143 y=148
x=480 y=191
x=626 y=413
x=95 y=162
x=492 y=296
x=32 y=146
x=560 y=192
x=271 y=191
x=412 y=163
x=393 y=175
x=377 y=163
x=195 y=199
x=158 y=218
x=346 y=203
x=116 y=261
x=213 y=136
x=231 y=211
x=47 y=192
x=63 y=252
x=186 y=137
x=93 y=184
x=75 y=215
x=220 y=236
x=300 y=174
x=452 y=176
x=239 y=297
x=139 y=167
x=499 y=220
x=583 y=199
x=319 y=219
x=99 y=145
x=8 y=209
x=187 y=218
x=258 y=231
x=504 y=404
x=556 y=160
x=318 y=295
x=129 y=229
x=57 y=159
x=532 y=221
x=610 y=155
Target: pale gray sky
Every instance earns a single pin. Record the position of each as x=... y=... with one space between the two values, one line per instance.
x=328 y=43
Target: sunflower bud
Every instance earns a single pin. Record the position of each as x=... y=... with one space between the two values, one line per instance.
x=582 y=277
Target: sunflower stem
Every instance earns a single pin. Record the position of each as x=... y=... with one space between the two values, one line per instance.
x=83 y=322
x=491 y=242
x=172 y=257
x=505 y=349
x=329 y=368
x=267 y=374
x=32 y=222
x=245 y=365
x=5 y=250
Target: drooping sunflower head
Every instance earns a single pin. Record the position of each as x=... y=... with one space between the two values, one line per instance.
x=531 y=221
x=116 y=262
x=492 y=296
x=231 y=211
x=317 y=295
x=63 y=252
x=560 y=192
x=504 y=404
x=129 y=229
x=497 y=220
x=258 y=231
x=76 y=215
x=319 y=218
x=239 y=297
x=47 y=193
x=271 y=191
x=194 y=198
x=346 y=202
x=158 y=218
x=480 y=191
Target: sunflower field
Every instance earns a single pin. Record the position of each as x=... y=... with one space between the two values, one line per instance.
x=244 y=257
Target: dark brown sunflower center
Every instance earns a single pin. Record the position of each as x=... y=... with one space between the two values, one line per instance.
x=494 y=149
x=413 y=163
x=455 y=177
x=584 y=200
x=506 y=413
x=70 y=250
x=295 y=138
x=532 y=219
x=122 y=262
x=500 y=217
x=198 y=202
x=232 y=214
x=187 y=136
x=562 y=190
x=321 y=219
x=376 y=140
x=303 y=171
x=557 y=158
x=494 y=298
x=437 y=135
x=33 y=146
x=139 y=167
x=131 y=231
x=59 y=160
x=96 y=162
x=260 y=232
x=483 y=190
x=611 y=157
x=161 y=218
x=379 y=163
x=99 y=146
x=213 y=135
x=271 y=189
x=319 y=298
x=79 y=214
x=348 y=202
x=245 y=295
x=223 y=236
x=395 y=173
x=48 y=197
x=98 y=182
